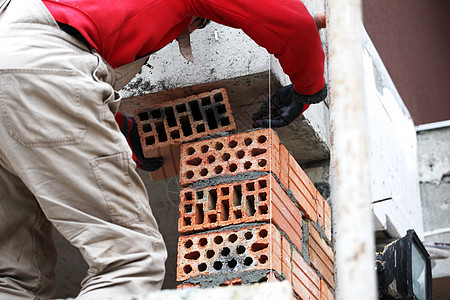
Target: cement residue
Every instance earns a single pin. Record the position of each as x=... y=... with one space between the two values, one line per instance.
x=247 y=277
x=305 y=238
x=204 y=183
x=234 y=227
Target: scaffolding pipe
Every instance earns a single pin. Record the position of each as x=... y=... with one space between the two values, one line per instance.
x=355 y=251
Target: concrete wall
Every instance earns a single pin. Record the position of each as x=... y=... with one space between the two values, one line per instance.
x=392 y=153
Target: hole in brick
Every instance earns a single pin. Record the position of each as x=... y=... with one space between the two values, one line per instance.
x=225 y=210
x=187 y=221
x=147 y=128
x=212 y=218
x=218 y=97
x=218 y=146
x=262 y=196
x=188 y=244
x=170 y=116
x=247 y=141
x=189 y=174
x=226 y=156
x=262 y=162
x=225 y=121
x=240 y=249
x=162 y=136
x=232 y=168
x=195 y=161
x=199 y=213
x=211 y=159
x=248 y=235
x=218 y=169
x=221 y=109
x=204 y=148
x=237 y=214
x=225 y=191
x=225 y=251
x=232 y=144
x=218 y=265
x=202 y=242
x=156 y=114
x=212 y=199
x=233 y=238
x=150 y=140
x=263 y=209
x=211 y=119
x=175 y=135
x=258 y=151
x=204 y=172
x=195 y=109
x=187 y=269
x=188 y=208
x=248 y=261
x=247 y=165
x=210 y=253
x=143 y=116
x=192 y=255
x=240 y=154
x=188 y=195
x=190 y=151
x=181 y=108
x=206 y=101
x=202 y=267
x=263 y=233
x=237 y=283
x=237 y=195
x=264 y=279
x=259 y=246
x=263 y=259
x=250 y=186
x=232 y=263
x=262 y=139
x=200 y=128
x=262 y=184
x=218 y=239
x=186 y=125
x=199 y=194
x=250 y=205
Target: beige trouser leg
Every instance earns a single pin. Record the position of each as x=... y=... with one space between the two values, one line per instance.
x=64 y=160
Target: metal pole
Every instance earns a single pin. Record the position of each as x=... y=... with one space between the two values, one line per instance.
x=355 y=252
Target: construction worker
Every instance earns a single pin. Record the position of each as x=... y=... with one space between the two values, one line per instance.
x=64 y=159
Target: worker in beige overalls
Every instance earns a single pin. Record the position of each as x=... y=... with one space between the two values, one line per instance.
x=64 y=160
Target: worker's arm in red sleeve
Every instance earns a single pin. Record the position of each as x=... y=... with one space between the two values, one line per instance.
x=284 y=27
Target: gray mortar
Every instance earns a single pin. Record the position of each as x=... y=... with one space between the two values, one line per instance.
x=234 y=227
x=322 y=234
x=226 y=133
x=204 y=183
x=247 y=277
x=305 y=238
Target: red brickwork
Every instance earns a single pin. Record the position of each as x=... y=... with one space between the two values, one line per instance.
x=230 y=155
x=162 y=128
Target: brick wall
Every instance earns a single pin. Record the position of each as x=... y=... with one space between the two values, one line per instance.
x=249 y=213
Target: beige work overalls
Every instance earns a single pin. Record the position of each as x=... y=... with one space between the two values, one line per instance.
x=63 y=161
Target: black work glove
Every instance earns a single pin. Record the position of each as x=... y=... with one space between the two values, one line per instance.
x=129 y=129
x=285 y=106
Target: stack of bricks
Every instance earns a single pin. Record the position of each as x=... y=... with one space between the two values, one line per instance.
x=163 y=128
x=249 y=213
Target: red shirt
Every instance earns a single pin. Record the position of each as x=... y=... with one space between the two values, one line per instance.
x=123 y=31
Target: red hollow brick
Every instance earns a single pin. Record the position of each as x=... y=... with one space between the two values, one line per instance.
x=321 y=255
x=305 y=281
x=255 y=200
x=163 y=126
x=249 y=248
x=325 y=292
x=230 y=155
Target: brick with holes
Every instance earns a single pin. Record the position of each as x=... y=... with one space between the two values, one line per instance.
x=163 y=127
x=254 y=200
x=256 y=150
x=255 y=247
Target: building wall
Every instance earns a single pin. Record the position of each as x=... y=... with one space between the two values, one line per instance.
x=411 y=37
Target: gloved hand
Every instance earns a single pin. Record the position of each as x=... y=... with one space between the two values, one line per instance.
x=285 y=106
x=128 y=127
